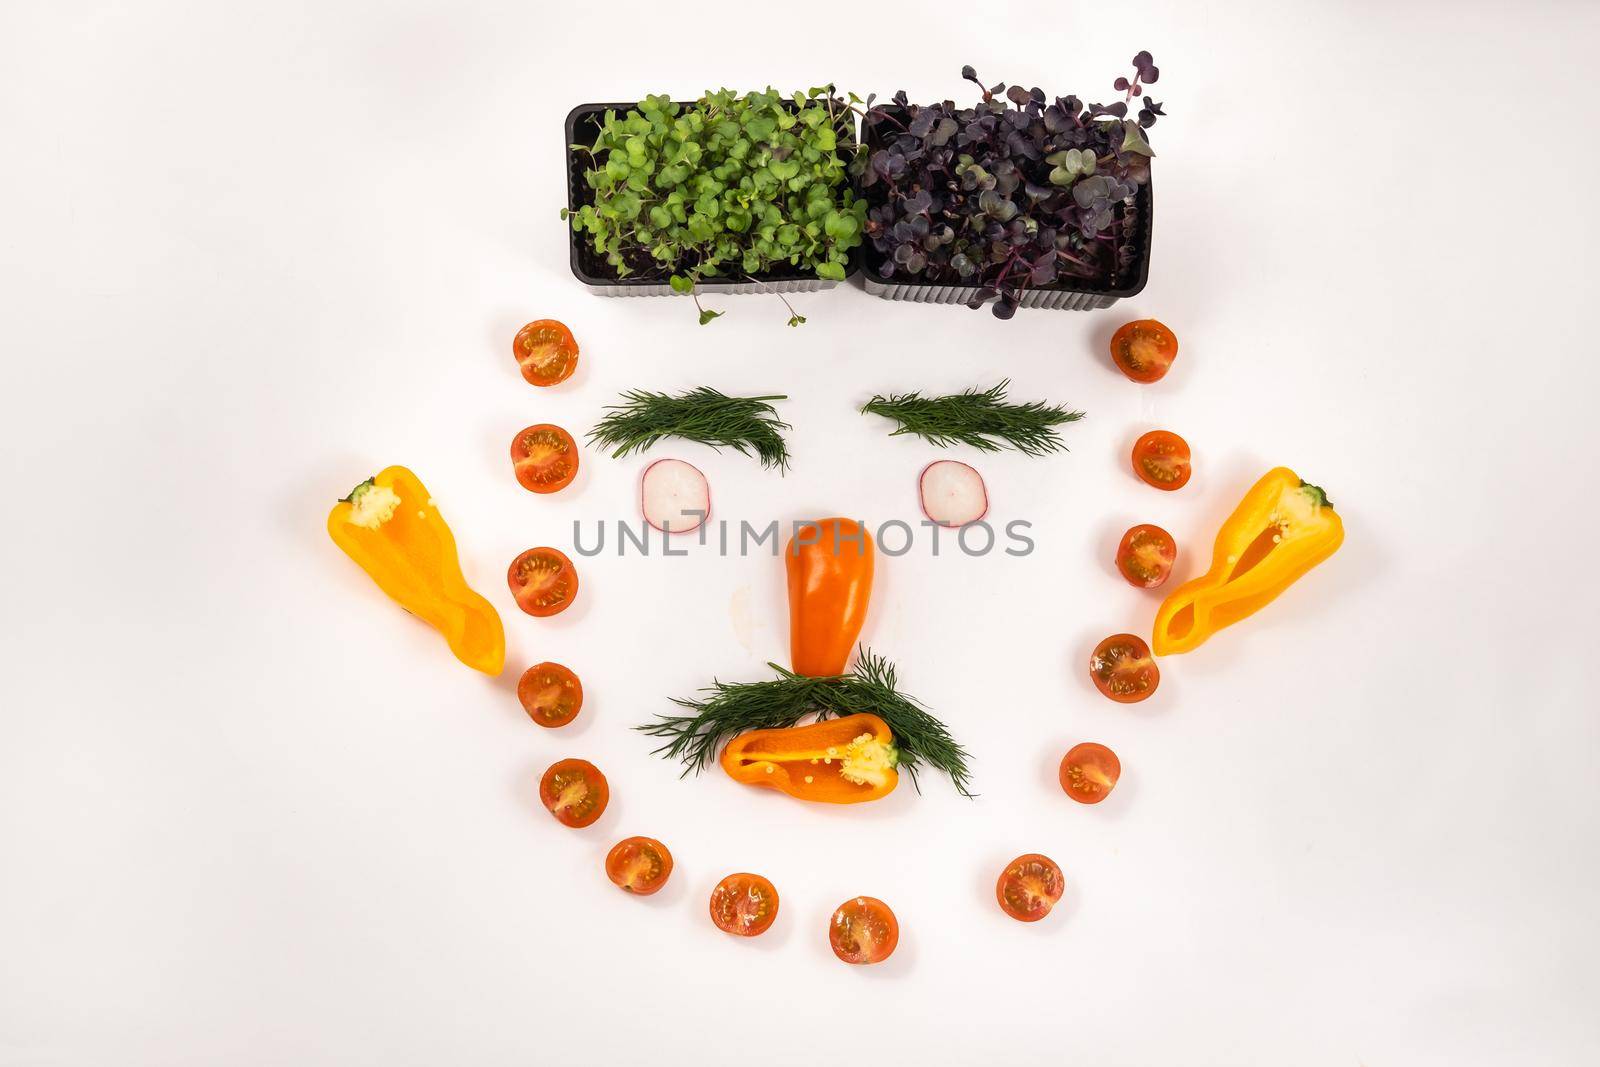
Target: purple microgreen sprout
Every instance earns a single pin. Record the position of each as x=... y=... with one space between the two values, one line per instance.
x=1016 y=192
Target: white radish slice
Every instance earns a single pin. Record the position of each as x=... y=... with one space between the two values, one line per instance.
x=674 y=496
x=953 y=493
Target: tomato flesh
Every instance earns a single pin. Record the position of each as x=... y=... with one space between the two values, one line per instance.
x=574 y=791
x=863 y=930
x=545 y=351
x=744 y=904
x=544 y=458
x=1162 y=459
x=550 y=693
x=1029 y=887
x=639 y=865
x=543 y=581
x=1146 y=555
x=1144 y=350
x=1123 y=669
x=1089 y=772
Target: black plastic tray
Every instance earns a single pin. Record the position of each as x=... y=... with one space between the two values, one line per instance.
x=590 y=268
x=1075 y=295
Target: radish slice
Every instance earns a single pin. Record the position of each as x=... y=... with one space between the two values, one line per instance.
x=953 y=493
x=674 y=496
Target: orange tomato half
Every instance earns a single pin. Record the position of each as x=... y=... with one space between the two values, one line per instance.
x=550 y=693
x=863 y=930
x=545 y=351
x=1123 y=669
x=744 y=904
x=1029 y=887
x=574 y=791
x=1161 y=458
x=1089 y=772
x=639 y=865
x=544 y=457
x=1146 y=555
x=1144 y=350
x=544 y=581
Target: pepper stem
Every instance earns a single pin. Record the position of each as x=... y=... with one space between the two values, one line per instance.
x=1317 y=494
x=357 y=491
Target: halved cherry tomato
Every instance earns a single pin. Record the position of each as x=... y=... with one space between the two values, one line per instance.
x=744 y=904
x=1144 y=350
x=1161 y=459
x=546 y=352
x=1089 y=772
x=544 y=581
x=639 y=865
x=1029 y=887
x=574 y=791
x=1123 y=670
x=1146 y=555
x=863 y=930
x=544 y=457
x=550 y=694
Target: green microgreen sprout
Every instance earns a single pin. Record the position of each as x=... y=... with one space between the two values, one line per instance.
x=729 y=186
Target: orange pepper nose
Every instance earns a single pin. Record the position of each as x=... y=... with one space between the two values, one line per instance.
x=829 y=565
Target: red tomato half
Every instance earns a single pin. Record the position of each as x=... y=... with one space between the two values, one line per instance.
x=1089 y=772
x=639 y=865
x=744 y=904
x=1029 y=887
x=546 y=352
x=1161 y=459
x=544 y=457
x=1146 y=555
x=1144 y=350
x=544 y=581
x=574 y=791
x=1123 y=669
x=550 y=694
x=863 y=930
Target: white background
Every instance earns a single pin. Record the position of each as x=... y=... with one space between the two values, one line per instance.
x=252 y=813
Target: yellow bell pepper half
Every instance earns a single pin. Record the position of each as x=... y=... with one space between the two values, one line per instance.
x=389 y=525
x=1281 y=529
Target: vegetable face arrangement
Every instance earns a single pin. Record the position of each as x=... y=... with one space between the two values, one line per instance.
x=1006 y=195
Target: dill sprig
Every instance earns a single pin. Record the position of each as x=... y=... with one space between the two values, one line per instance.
x=747 y=424
x=983 y=420
x=736 y=707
